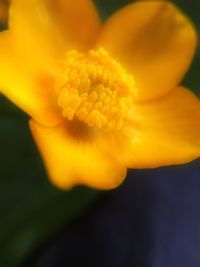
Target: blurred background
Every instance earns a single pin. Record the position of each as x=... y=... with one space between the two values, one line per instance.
x=153 y=219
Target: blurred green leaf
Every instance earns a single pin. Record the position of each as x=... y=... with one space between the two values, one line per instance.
x=31 y=208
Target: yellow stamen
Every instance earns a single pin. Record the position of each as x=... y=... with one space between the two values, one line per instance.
x=95 y=89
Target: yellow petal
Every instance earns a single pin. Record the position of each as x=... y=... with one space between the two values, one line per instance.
x=39 y=33
x=155 y=42
x=71 y=160
x=163 y=132
x=36 y=37
x=79 y=20
x=34 y=97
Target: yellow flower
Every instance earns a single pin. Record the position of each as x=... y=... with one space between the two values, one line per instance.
x=102 y=97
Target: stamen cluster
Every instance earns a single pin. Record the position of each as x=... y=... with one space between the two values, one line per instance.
x=95 y=89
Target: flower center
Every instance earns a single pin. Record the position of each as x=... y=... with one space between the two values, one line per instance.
x=95 y=89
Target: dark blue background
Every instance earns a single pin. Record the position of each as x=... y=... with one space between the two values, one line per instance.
x=153 y=220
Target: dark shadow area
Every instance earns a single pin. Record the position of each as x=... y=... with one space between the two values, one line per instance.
x=153 y=220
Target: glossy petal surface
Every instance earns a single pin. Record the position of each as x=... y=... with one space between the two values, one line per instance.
x=44 y=30
x=163 y=132
x=155 y=41
x=71 y=160
x=79 y=21
x=35 y=97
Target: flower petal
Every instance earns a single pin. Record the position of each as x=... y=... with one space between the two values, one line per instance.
x=72 y=161
x=79 y=20
x=163 y=132
x=34 y=97
x=36 y=36
x=39 y=32
x=155 y=42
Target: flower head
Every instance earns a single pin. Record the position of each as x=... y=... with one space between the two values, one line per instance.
x=102 y=97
